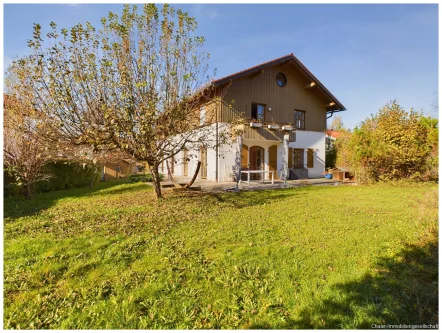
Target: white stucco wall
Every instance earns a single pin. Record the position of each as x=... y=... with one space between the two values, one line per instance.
x=315 y=141
x=226 y=156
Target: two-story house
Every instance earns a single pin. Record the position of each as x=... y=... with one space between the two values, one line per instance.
x=281 y=92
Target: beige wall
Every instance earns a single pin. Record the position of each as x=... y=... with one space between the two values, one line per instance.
x=110 y=170
x=262 y=88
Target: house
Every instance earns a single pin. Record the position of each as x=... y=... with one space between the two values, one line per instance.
x=272 y=96
x=333 y=135
x=120 y=168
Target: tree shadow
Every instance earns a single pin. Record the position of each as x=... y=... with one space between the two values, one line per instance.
x=240 y=199
x=402 y=289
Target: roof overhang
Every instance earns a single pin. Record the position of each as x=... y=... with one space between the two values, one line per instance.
x=333 y=105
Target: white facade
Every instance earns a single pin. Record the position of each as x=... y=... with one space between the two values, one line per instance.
x=226 y=157
x=311 y=140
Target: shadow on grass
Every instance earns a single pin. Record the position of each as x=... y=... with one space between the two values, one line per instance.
x=403 y=289
x=16 y=207
x=240 y=199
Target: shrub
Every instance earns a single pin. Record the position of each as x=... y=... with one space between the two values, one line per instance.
x=67 y=175
x=143 y=178
x=391 y=145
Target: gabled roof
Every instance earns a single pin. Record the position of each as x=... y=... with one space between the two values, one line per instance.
x=290 y=57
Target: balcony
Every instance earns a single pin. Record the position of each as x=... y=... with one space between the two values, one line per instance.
x=259 y=130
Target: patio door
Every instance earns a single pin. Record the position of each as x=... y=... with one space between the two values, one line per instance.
x=256 y=160
x=203 y=158
x=273 y=155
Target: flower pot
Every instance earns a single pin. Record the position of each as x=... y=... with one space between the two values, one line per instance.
x=255 y=124
x=275 y=127
x=287 y=128
x=328 y=176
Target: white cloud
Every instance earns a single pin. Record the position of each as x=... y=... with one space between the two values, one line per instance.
x=203 y=10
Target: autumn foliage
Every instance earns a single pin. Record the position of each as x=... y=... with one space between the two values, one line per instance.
x=391 y=145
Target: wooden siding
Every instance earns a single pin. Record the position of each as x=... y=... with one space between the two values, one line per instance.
x=262 y=88
x=263 y=133
x=227 y=113
x=112 y=173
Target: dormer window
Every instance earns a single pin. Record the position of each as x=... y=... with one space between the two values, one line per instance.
x=281 y=79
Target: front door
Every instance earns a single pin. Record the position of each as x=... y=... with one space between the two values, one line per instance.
x=256 y=160
x=203 y=158
x=273 y=153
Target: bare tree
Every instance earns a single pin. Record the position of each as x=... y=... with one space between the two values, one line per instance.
x=337 y=124
x=134 y=85
x=23 y=151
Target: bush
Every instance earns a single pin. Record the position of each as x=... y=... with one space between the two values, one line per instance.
x=391 y=145
x=67 y=175
x=143 y=178
x=330 y=154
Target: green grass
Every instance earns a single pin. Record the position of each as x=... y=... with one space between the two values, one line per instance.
x=310 y=257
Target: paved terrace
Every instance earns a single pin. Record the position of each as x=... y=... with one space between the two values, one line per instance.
x=255 y=185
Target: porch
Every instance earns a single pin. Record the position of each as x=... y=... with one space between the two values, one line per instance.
x=211 y=186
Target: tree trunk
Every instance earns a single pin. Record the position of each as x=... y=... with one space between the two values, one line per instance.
x=285 y=159
x=28 y=192
x=237 y=166
x=156 y=180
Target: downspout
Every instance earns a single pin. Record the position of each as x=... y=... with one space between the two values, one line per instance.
x=216 y=119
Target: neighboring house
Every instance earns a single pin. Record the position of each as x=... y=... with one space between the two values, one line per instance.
x=330 y=149
x=280 y=92
x=333 y=135
x=120 y=169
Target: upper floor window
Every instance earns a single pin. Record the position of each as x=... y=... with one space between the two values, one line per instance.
x=281 y=79
x=202 y=115
x=299 y=119
x=258 y=111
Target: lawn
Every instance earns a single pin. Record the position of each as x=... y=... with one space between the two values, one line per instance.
x=309 y=257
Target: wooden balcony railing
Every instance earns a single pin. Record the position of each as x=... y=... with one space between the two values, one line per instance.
x=256 y=133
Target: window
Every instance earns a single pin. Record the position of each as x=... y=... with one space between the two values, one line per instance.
x=298 y=158
x=202 y=115
x=258 y=111
x=281 y=79
x=299 y=119
x=310 y=157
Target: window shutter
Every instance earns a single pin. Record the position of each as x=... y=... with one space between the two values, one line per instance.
x=310 y=155
x=245 y=157
x=290 y=158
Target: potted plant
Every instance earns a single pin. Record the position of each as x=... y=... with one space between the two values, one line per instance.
x=255 y=123
x=288 y=127
x=273 y=125
x=328 y=173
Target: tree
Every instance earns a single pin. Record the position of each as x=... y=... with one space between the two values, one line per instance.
x=23 y=151
x=134 y=85
x=337 y=124
x=393 y=144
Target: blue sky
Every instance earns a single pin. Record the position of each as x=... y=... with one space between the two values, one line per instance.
x=366 y=55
